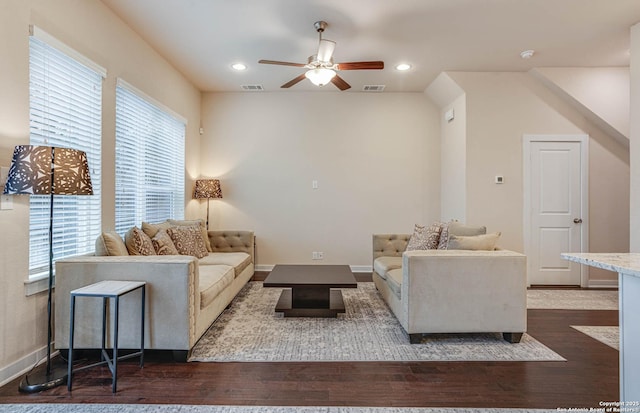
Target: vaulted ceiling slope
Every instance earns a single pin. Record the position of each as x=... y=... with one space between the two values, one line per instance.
x=203 y=38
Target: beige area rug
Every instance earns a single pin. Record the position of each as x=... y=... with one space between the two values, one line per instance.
x=250 y=330
x=572 y=299
x=609 y=335
x=174 y=408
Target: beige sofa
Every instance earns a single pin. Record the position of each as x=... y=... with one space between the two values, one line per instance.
x=451 y=291
x=184 y=294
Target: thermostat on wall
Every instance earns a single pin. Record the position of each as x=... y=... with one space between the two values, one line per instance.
x=499 y=179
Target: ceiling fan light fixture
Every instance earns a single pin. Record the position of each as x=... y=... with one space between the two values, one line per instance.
x=403 y=67
x=239 y=66
x=320 y=76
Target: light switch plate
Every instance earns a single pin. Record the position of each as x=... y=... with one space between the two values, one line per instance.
x=6 y=202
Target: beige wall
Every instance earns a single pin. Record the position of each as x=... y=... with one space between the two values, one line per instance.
x=375 y=157
x=91 y=29
x=602 y=91
x=448 y=96
x=635 y=139
x=501 y=108
x=453 y=158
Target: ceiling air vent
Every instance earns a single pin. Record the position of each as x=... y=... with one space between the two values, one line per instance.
x=252 y=88
x=373 y=88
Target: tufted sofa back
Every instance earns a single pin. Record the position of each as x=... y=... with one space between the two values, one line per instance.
x=389 y=245
x=232 y=241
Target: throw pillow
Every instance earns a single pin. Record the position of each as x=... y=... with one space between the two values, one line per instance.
x=163 y=245
x=485 y=242
x=444 y=236
x=138 y=243
x=425 y=238
x=197 y=222
x=458 y=228
x=152 y=229
x=110 y=243
x=188 y=240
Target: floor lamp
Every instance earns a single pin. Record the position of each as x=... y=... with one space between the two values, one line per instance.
x=207 y=189
x=45 y=170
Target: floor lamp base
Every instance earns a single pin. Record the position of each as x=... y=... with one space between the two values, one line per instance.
x=38 y=380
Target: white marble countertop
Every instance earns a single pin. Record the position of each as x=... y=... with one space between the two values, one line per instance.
x=626 y=263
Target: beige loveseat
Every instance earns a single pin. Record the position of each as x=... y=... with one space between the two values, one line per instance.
x=451 y=291
x=184 y=294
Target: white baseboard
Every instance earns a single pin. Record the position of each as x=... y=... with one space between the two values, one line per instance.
x=354 y=268
x=23 y=365
x=603 y=284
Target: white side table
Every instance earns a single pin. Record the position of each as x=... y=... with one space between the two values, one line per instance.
x=107 y=290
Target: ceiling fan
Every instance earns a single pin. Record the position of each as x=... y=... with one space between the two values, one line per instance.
x=321 y=69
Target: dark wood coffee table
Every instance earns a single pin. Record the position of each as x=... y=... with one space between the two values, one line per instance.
x=308 y=289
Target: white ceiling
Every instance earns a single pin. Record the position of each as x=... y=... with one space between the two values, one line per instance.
x=202 y=38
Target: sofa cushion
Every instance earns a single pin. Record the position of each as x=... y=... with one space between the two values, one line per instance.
x=213 y=280
x=383 y=264
x=197 y=222
x=163 y=245
x=238 y=260
x=188 y=240
x=394 y=280
x=485 y=242
x=110 y=243
x=425 y=238
x=138 y=243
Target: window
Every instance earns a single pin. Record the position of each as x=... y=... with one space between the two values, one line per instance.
x=149 y=160
x=65 y=110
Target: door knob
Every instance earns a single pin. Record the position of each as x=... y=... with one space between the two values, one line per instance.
x=577 y=220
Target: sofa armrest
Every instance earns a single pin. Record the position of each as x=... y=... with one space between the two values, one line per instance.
x=468 y=291
x=172 y=300
x=233 y=241
x=389 y=245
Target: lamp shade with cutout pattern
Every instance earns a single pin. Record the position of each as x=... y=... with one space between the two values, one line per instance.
x=207 y=188
x=33 y=167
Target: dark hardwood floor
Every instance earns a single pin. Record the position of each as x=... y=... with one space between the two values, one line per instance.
x=589 y=376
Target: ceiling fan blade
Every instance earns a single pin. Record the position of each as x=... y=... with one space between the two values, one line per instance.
x=293 y=81
x=376 y=65
x=340 y=83
x=276 y=62
x=325 y=50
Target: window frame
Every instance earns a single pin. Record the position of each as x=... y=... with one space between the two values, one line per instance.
x=142 y=184
x=65 y=110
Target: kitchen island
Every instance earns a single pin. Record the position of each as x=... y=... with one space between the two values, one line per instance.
x=627 y=265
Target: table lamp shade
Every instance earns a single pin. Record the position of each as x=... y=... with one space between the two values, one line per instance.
x=207 y=188
x=33 y=168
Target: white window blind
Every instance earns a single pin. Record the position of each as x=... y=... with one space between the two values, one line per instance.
x=149 y=161
x=65 y=109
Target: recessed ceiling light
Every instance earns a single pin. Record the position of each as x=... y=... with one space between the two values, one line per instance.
x=403 y=66
x=527 y=54
x=239 y=66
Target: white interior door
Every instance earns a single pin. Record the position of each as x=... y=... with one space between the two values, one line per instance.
x=557 y=210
